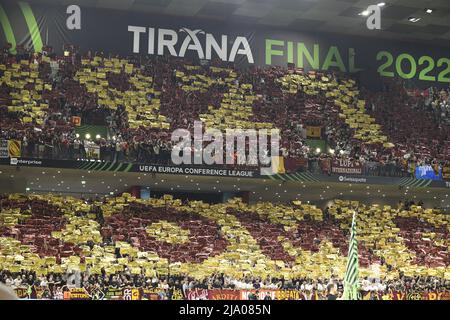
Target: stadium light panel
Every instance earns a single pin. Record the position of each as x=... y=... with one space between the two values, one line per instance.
x=413 y=19
x=365 y=13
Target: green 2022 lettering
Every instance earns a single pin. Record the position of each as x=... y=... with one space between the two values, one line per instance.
x=405 y=66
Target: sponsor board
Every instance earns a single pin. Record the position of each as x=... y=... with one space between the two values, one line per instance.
x=98 y=165
x=339 y=166
x=352 y=179
x=25 y=162
x=202 y=171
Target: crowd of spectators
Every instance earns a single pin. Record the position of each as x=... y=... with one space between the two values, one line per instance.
x=39 y=222
x=417 y=126
x=52 y=286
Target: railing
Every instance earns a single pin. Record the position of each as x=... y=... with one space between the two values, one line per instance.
x=314 y=166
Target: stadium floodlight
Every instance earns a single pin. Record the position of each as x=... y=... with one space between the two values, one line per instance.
x=413 y=19
x=66 y=53
x=87 y=136
x=97 y=136
x=365 y=13
x=318 y=150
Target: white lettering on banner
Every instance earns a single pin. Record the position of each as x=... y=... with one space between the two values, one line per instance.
x=127 y=294
x=196 y=171
x=345 y=163
x=136 y=36
x=342 y=166
x=30 y=162
x=169 y=43
x=192 y=36
x=168 y=39
x=346 y=170
x=197 y=294
x=221 y=51
x=423 y=170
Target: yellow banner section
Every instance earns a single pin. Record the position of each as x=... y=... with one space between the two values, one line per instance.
x=446 y=172
x=278 y=165
x=14 y=148
x=313 y=132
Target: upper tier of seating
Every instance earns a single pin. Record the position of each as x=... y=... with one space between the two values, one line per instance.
x=142 y=101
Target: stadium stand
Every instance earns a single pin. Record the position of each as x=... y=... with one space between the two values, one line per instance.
x=353 y=205
x=170 y=249
x=42 y=95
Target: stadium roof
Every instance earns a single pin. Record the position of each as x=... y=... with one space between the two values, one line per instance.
x=337 y=16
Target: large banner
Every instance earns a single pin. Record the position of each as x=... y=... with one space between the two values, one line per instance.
x=340 y=166
x=214 y=294
x=126 y=33
x=14 y=148
x=207 y=294
x=98 y=165
x=10 y=148
x=313 y=132
x=223 y=294
x=92 y=151
x=428 y=172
